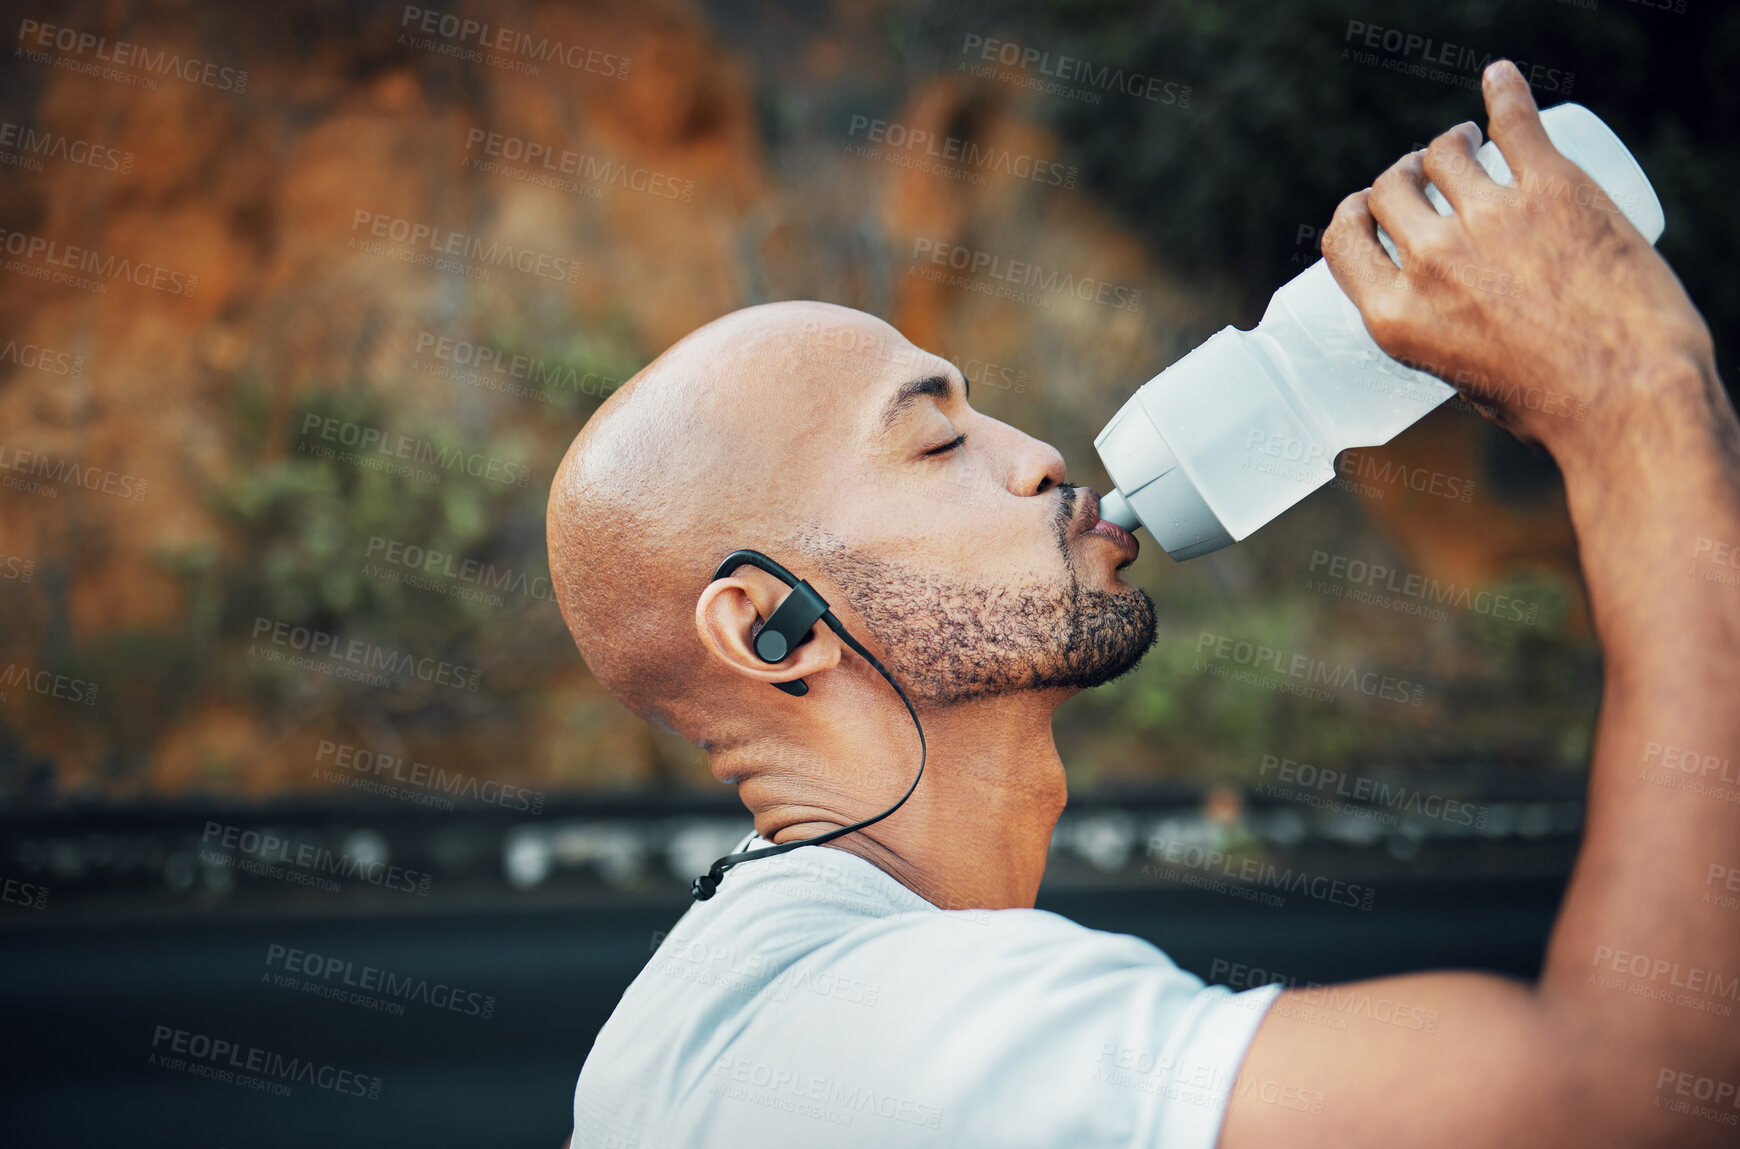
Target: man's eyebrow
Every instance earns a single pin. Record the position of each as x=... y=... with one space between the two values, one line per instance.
x=937 y=386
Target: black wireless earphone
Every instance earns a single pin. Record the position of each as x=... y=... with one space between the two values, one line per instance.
x=786 y=629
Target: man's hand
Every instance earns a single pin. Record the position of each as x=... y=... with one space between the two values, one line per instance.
x=1541 y=285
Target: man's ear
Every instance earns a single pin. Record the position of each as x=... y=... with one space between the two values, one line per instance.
x=731 y=610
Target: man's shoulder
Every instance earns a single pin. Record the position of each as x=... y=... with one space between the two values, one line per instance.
x=1008 y=944
x=826 y=907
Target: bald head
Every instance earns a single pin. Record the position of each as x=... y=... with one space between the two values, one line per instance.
x=711 y=447
x=819 y=435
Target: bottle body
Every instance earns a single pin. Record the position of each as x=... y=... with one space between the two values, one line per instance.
x=1251 y=422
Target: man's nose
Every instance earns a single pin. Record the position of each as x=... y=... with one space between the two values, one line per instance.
x=1036 y=467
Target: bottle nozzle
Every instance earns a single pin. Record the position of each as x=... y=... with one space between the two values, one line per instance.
x=1114 y=508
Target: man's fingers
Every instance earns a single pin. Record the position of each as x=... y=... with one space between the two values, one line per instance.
x=1513 y=121
x=1399 y=203
x=1358 y=262
x=1453 y=170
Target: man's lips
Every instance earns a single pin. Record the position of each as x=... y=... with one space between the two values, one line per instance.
x=1089 y=515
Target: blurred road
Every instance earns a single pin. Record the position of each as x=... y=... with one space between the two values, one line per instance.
x=84 y=1002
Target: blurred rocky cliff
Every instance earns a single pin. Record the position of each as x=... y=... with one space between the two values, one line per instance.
x=304 y=303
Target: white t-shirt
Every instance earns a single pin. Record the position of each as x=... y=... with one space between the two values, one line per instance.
x=815 y=1001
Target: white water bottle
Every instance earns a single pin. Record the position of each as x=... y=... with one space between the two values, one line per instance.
x=1250 y=422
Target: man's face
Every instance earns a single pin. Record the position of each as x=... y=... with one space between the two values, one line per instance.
x=978 y=569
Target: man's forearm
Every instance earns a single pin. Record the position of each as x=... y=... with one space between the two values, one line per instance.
x=1627 y=1018
x=1648 y=944
x=1630 y=1029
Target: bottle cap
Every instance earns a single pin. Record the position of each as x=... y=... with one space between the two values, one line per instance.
x=1233 y=455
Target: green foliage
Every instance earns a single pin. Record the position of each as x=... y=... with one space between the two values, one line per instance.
x=1510 y=671
x=1284 y=119
x=371 y=544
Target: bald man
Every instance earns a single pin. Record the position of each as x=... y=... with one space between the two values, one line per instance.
x=896 y=987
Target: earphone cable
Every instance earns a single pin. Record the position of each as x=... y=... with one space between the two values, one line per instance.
x=704 y=886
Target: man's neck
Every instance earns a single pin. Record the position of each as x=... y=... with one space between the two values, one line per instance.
x=976 y=831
